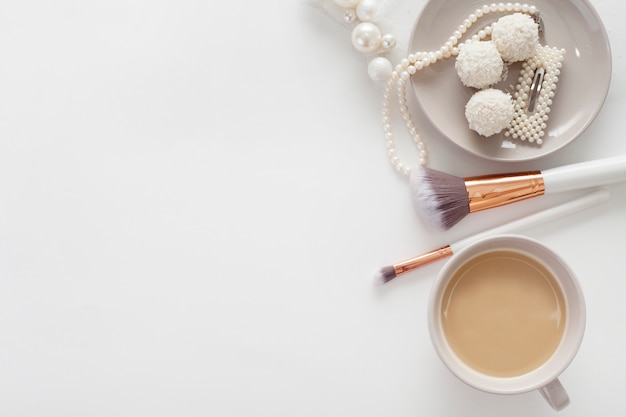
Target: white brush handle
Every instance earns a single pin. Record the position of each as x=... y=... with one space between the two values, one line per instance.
x=585 y=174
x=532 y=220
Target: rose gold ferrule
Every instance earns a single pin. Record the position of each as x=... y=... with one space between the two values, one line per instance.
x=421 y=260
x=490 y=191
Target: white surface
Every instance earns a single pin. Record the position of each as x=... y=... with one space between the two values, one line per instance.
x=195 y=196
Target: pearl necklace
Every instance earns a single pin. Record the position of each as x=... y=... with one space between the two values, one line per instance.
x=417 y=61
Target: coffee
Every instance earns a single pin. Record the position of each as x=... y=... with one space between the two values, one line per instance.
x=503 y=313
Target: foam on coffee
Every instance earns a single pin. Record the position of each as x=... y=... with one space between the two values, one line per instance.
x=503 y=313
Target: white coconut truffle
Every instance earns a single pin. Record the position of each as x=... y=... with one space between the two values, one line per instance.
x=479 y=64
x=515 y=36
x=489 y=111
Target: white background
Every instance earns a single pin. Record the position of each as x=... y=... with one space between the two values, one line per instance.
x=194 y=196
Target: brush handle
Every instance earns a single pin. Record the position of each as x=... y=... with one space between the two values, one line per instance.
x=541 y=217
x=554 y=213
x=585 y=174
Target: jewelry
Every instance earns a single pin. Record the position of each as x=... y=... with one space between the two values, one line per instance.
x=535 y=90
x=417 y=61
x=368 y=39
x=367 y=36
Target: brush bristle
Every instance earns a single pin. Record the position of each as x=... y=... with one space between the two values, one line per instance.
x=385 y=274
x=440 y=199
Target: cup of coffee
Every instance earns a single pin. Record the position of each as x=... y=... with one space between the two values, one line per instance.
x=507 y=315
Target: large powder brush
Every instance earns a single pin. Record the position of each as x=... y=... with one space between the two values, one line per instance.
x=442 y=200
x=587 y=200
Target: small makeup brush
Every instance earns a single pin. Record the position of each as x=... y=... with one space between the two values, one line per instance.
x=388 y=273
x=442 y=200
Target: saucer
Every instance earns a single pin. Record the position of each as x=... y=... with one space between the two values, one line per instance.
x=572 y=25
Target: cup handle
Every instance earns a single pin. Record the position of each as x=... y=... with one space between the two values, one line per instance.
x=555 y=395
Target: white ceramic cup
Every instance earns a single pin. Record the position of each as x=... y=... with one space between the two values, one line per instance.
x=544 y=378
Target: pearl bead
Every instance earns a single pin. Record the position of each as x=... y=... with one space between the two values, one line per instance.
x=367 y=10
x=398 y=81
x=388 y=42
x=379 y=69
x=349 y=17
x=366 y=37
x=346 y=3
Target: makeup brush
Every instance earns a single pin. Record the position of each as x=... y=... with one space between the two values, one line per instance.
x=442 y=200
x=598 y=196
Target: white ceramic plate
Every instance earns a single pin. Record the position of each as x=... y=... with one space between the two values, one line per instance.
x=582 y=88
